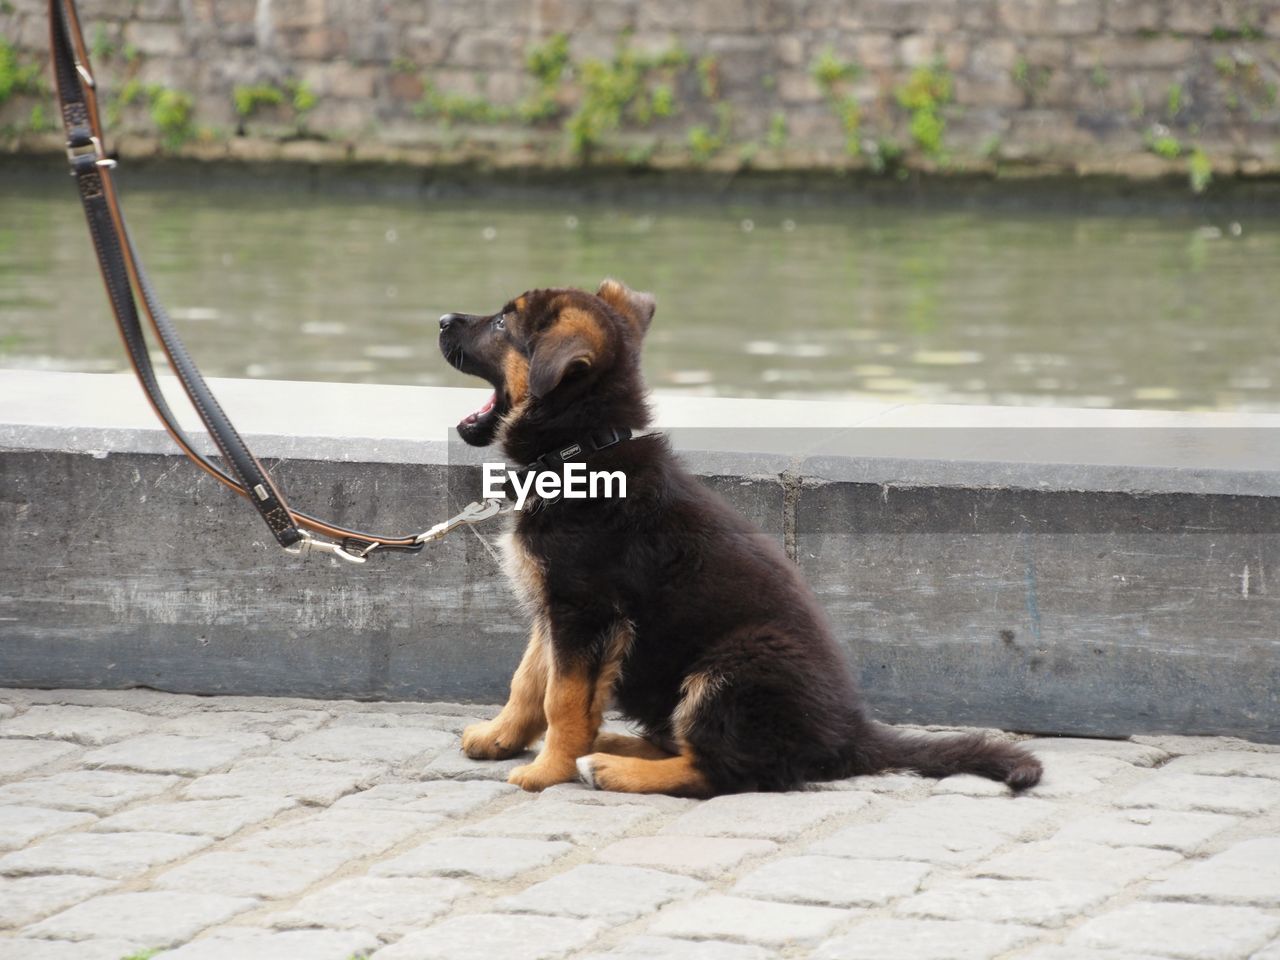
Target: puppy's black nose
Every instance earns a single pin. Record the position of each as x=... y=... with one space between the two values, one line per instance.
x=447 y=320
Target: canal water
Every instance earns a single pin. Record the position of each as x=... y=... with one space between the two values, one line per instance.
x=1172 y=310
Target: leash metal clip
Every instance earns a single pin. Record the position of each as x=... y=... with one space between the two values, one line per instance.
x=473 y=512
x=309 y=544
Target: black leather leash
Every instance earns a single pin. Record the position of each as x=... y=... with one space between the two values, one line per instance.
x=123 y=273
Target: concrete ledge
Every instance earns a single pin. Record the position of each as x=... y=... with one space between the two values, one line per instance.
x=1087 y=572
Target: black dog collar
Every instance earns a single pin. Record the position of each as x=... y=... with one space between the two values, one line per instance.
x=554 y=460
x=592 y=443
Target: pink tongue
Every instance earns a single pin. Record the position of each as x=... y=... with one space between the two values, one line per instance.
x=472 y=417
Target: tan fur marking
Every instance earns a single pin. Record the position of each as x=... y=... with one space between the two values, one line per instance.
x=515 y=380
x=677 y=775
x=635 y=308
x=695 y=689
x=511 y=416
x=572 y=714
x=575 y=322
x=621 y=745
x=570 y=731
x=613 y=293
x=523 y=719
x=519 y=304
x=574 y=708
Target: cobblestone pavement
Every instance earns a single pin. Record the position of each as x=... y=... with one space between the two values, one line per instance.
x=255 y=828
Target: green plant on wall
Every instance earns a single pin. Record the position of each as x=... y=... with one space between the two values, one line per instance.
x=1199 y=170
x=547 y=64
x=458 y=107
x=1250 y=31
x=641 y=154
x=630 y=88
x=102 y=48
x=37 y=122
x=832 y=74
x=301 y=96
x=296 y=94
x=923 y=96
x=250 y=99
x=663 y=100
x=1243 y=84
x=1031 y=79
x=1160 y=141
x=828 y=70
x=885 y=157
x=705 y=143
x=17 y=77
x=171 y=112
x=127 y=94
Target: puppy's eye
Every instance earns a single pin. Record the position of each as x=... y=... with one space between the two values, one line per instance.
x=500 y=323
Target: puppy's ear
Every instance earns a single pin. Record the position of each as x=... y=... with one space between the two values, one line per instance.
x=636 y=307
x=555 y=358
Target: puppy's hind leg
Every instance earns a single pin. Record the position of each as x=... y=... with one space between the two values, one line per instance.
x=678 y=775
x=621 y=745
x=523 y=719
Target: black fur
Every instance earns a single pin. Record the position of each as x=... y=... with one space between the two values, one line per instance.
x=707 y=593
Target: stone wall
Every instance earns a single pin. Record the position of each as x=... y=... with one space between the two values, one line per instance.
x=1089 y=572
x=1136 y=87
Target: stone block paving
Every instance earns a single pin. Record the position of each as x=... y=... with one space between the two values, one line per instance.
x=247 y=828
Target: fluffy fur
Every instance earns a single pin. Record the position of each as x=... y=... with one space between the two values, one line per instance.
x=666 y=603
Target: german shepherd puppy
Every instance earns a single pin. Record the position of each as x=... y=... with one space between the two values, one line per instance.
x=666 y=602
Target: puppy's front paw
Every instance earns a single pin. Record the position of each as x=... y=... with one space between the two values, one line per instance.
x=541 y=774
x=489 y=741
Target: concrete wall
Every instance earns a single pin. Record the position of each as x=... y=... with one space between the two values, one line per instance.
x=1134 y=87
x=1086 y=572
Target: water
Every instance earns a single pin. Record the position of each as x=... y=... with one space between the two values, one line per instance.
x=895 y=303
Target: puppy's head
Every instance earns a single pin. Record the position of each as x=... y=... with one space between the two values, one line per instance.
x=545 y=350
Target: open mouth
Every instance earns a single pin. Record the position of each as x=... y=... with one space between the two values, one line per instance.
x=479 y=419
x=478 y=428
x=484 y=411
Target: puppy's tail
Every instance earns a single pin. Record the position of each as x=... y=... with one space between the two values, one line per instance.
x=883 y=748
